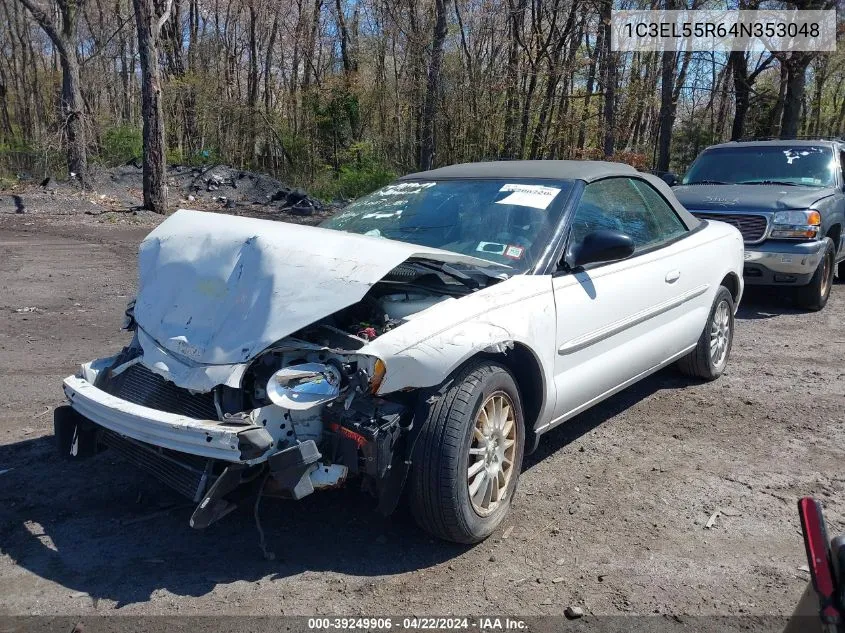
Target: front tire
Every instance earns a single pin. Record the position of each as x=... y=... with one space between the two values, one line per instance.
x=468 y=457
x=710 y=356
x=815 y=294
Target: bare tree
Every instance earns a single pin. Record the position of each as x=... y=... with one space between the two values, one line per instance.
x=795 y=65
x=609 y=79
x=429 y=110
x=64 y=37
x=149 y=19
x=743 y=82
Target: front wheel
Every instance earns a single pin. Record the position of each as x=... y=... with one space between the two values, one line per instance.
x=710 y=356
x=814 y=295
x=468 y=457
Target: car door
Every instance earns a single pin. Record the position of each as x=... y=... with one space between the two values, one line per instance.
x=840 y=205
x=617 y=321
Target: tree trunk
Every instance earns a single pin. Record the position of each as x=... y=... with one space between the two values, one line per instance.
x=430 y=103
x=609 y=82
x=591 y=80
x=268 y=64
x=64 y=38
x=796 y=77
x=252 y=77
x=149 y=24
x=742 y=92
x=73 y=114
x=667 y=114
x=515 y=20
x=775 y=119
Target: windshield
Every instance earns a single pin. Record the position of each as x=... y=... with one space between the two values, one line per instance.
x=761 y=164
x=503 y=221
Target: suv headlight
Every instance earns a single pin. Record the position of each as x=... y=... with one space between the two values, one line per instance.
x=796 y=224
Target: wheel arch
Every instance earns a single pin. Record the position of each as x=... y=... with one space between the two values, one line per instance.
x=732 y=283
x=835 y=234
x=523 y=364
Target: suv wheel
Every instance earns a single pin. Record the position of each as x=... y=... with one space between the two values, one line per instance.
x=468 y=457
x=710 y=356
x=814 y=295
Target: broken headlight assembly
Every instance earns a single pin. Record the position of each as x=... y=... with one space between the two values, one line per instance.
x=803 y=225
x=303 y=386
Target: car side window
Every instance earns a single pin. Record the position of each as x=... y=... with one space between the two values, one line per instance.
x=629 y=206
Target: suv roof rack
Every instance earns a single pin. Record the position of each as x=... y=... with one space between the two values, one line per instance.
x=812 y=137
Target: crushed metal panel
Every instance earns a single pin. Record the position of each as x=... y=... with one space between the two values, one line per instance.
x=217 y=289
x=185 y=373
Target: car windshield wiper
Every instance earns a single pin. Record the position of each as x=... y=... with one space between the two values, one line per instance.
x=446 y=269
x=770 y=182
x=708 y=182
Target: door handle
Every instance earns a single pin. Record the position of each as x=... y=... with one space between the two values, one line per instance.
x=672 y=276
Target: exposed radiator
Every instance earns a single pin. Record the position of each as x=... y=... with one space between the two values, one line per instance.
x=186 y=474
x=139 y=385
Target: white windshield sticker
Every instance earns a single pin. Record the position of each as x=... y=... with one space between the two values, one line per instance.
x=376 y=215
x=491 y=247
x=535 y=196
x=404 y=188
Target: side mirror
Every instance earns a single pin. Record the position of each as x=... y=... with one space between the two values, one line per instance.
x=669 y=178
x=600 y=246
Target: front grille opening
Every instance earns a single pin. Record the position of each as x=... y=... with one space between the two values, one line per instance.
x=139 y=385
x=752 y=226
x=188 y=475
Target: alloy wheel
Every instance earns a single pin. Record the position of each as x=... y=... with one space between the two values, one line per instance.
x=491 y=453
x=720 y=334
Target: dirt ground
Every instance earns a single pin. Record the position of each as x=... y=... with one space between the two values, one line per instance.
x=610 y=515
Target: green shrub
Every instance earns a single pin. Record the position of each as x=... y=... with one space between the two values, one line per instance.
x=174 y=156
x=360 y=173
x=120 y=145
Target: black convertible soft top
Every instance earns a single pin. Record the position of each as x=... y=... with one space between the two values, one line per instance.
x=586 y=170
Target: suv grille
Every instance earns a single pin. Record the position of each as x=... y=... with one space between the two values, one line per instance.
x=752 y=227
x=139 y=385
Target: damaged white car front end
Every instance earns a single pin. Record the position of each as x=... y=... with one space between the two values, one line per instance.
x=427 y=334
x=258 y=358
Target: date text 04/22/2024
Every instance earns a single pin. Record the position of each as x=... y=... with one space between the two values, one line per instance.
x=417 y=623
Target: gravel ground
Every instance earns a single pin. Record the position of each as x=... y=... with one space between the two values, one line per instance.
x=610 y=515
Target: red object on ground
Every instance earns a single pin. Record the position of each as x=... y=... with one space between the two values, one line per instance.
x=818 y=558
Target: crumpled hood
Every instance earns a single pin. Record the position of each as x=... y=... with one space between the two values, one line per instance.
x=218 y=289
x=749 y=197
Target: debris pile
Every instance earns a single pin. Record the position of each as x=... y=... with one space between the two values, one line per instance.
x=233 y=188
x=209 y=188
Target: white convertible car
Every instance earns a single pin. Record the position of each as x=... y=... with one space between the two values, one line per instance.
x=421 y=340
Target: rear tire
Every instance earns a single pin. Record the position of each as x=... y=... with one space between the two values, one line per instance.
x=815 y=294
x=710 y=356
x=454 y=454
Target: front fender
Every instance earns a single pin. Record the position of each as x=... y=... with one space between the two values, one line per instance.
x=429 y=362
x=426 y=350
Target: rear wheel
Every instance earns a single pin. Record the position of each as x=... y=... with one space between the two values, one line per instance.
x=710 y=356
x=468 y=457
x=814 y=295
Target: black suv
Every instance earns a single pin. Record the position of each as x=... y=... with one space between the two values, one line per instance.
x=787 y=198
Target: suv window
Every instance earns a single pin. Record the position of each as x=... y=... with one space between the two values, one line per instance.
x=630 y=206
